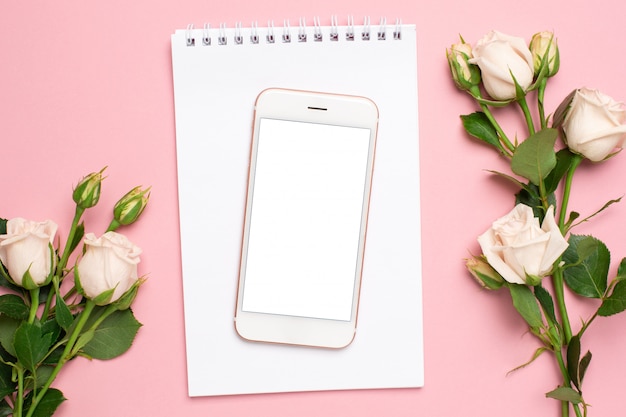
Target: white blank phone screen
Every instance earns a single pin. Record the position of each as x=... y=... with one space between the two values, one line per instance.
x=305 y=220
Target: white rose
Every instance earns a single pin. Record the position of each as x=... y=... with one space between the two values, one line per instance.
x=593 y=125
x=26 y=246
x=517 y=247
x=498 y=56
x=110 y=262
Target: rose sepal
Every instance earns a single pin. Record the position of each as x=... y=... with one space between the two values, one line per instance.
x=532 y=280
x=104 y=298
x=484 y=273
x=27 y=281
x=101 y=299
x=562 y=110
x=125 y=301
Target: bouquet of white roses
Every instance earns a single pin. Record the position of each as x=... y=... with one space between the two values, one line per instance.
x=534 y=242
x=52 y=312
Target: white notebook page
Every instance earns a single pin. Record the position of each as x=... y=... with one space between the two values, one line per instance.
x=215 y=87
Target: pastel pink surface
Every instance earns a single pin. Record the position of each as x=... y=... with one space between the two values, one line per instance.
x=86 y=85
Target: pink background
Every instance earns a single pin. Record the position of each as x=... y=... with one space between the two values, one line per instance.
x=89 y=84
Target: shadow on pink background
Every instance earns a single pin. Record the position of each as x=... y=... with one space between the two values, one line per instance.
x=85 y=85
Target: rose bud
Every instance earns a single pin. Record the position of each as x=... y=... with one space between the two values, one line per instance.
x=128 y=209
x=464 y=74
x=545 y=51
x=484 y=274
x=26 y=251
x=501 y=57
x=591 y=123
x=108 y=269
x=87 y=192
x=519 y=249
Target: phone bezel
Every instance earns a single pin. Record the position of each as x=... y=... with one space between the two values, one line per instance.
x=310 y=107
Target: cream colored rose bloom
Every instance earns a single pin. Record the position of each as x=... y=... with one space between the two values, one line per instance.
x=593 y=125
x=26 y=246
x=109 y=262
x=516 y=246
x=498 y=55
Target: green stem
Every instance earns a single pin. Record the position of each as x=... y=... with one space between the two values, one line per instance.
x=558 y=273
x=19 y=401
x=113 y=225
x=559 y=293
x=70 y=238
x=475 y=92
x=46 y=308
x=66 y=356
x=566 y=383
x=559 y=358
x=587 y=324
x=64 y=258
x=567 y=187
x=503 y=138
x=34 y=304
x=540 y=95
x=529 y=120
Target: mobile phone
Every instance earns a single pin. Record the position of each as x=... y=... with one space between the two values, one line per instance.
x=308 y=196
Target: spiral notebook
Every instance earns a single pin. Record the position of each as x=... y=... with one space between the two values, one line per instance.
x=218 y=73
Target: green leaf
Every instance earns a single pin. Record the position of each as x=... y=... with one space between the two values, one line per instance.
x=31 y=345
x=616 y=302
x=582 y=367
x=7 y=386
x=546 y=302
x=563 y=163
x=565 y=394
x=535 y=158
x=43 y=373
x=573 y=356
x=78 y=236
x=530 y=196
x=13 y=306
x=48 y=404
x=478 y=125
x=5 y=409
x=63 y=314
x=8 y=326
x=525 y=303
x=3 y=226
x=51 y=327
x=621 y=269
x=5 y=280
x=114 y=336
x=587 y=260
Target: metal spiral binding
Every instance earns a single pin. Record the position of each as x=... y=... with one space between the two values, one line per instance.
x=382 y=27
x=254 y=36
x=206 y=39
x=286 y=32
x=397 y=33
x=302 y=34
x=270 y=32
x=221 y=37
x=365 y=35
x=334 y=32
x=350 y=29
x=238 y=37
x=188 y=35
x=317 y=31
